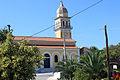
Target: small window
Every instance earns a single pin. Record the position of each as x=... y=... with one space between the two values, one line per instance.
x=56 y=58
x=66 y=24
x=63 y=23
x=69 y=23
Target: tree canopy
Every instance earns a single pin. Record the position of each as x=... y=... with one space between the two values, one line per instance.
x=66 y=67
x=114 y=51
x=3 y=35
x=18 y=61
x=92 y=64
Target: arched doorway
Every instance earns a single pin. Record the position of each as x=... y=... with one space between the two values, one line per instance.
x=47 y=61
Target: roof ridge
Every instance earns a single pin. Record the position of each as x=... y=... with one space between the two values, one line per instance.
x=42 y=37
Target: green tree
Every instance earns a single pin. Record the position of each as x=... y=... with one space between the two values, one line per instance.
x=94 y=49
x=3 y=35
x=114 y=51
x=114 y=54
x=17 y=61
x=79 y=75
x=67 y=68
x=92 y=65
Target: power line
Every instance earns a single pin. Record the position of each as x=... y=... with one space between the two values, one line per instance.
x=87 y=8
x=43 y=30
x=71 y=17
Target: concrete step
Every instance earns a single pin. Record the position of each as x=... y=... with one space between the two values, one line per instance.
x=48 y=76
x=44 y=76
x=45 y=70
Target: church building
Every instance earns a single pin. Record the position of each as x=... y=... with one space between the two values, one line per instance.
x=53 y=47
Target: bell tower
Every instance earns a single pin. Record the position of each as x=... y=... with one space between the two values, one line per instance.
x=62 y=23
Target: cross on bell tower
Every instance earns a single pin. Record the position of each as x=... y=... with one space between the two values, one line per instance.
x=62 y=23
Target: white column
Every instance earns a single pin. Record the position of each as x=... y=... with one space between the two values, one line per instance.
x=69 y=56
x=60 y=57
x=42 y=66
x=78 y=55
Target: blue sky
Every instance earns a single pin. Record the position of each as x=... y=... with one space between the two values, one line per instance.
x=30 y=16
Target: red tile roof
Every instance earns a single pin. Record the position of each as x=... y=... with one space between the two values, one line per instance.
x=42 y=39
x=57 y=47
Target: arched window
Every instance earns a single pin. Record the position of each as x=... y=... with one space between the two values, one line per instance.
x=47 y=55
x=47 y=61
x=69 y=23
x=56 y=58
x=66 y=24
x=63 y=23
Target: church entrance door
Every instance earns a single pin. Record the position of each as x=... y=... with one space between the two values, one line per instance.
x=47 y=61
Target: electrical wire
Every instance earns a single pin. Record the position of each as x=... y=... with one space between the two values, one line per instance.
x=87 y=8
x=43 y=30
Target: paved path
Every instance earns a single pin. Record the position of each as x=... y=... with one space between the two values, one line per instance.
x=44 y=76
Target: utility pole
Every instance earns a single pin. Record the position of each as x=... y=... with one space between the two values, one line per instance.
x=65 y=57
x=9 y=27
x=107 y=53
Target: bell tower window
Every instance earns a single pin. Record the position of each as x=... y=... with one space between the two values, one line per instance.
x=69 y=23
x=66 y=24
x=63 y=23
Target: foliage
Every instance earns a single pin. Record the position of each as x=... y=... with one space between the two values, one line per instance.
x=114 y=54
x=17 y=61
x=67 y=68
x=62 y=79
x=114 y=51
x=3 y=34
x=105 y=79
x=93 y=49
x=79 y=75
x=92 y=65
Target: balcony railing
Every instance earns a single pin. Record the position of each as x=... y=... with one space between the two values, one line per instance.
x=65 y=27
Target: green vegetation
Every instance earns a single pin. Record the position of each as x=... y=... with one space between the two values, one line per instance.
x=3 y=35
x=92 y=66
x=114 y=51
x=17 y=61
x=67 y=68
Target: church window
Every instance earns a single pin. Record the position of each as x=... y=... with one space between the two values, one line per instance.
x=47 y=61
x=56 y=58
x=47 y=55
x=66 y=24
x=69 y=23
x=63 y=23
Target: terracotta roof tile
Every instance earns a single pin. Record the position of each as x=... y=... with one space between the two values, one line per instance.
x=57 y=47
x=42 y=39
